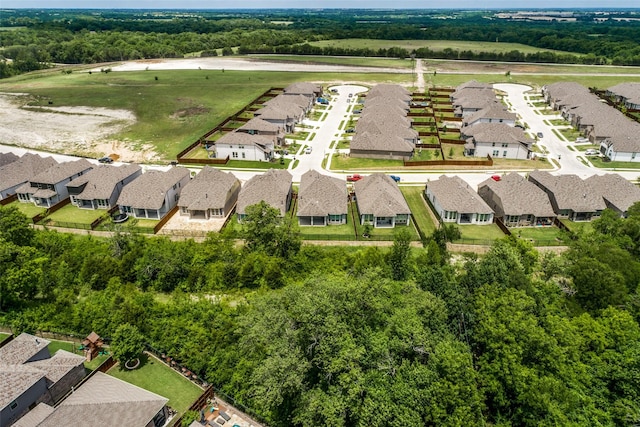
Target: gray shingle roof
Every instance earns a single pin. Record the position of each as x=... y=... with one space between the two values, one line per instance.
x=61 y=171
x=148 y=190
x=34 y=416
x=272 y=186
x=106 y=401
x=455 y=195
x=23 y=169
x=514 y=195
x=615 y=190
x=379 y=195
x=102 y=180
x=265 y=142
x=496 y=132
x=21 y=349
x=15 y=380
x=6 y=158
x=260 y=125
x=628 y=90
x=380 y=142
x=321 y=195
x=569 y=191
x=210 y=189
x=305 y=88
x=494 y=111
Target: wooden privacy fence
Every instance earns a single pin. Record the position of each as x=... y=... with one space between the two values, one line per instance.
x=445 y=162
x=36 y=219
x=8 y=199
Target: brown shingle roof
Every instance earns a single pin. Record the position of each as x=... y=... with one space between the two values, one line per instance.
x=455 y=195
x=106 y=401
x=514 y=195
x=23 y=169
x=61 y=171
x=569 y=191
x=148 y=190
x=265 y=142
x=321 y=195
x=102 y=180
x=21 y=349
x=494 y=111
x=379 y=195
x=380 y=142
x=272 y=186
x=496 y=132
x=6 y=158
x=615 y=190
x=628 y=90
x=210 y=189
x=260 y=125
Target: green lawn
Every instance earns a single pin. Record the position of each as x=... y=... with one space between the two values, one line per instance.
x=96 y=362
x=250 y=164
x=71 y=214
x=3 y=335
x=344 y=162
x=545 y=236
x=158 y=378
x=600 y=163
x=578 y=227
x=419 y=208
x=483 y=234
x=29 y=209
x=382 y=233
x=71 y=347
x=357 y=62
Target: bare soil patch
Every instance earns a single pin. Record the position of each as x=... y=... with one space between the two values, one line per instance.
x=190 y=111
x=85 y=131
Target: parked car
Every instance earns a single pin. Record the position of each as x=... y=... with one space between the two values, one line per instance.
x=591 y=152
x=496 y=177
x=357 y=111
x=350 y=95
x=105 y=159
x=350 y=130
x=307 y=150
x=323 y=101
x=540 y=135
x=334 y=90
x=353 y=178
x=395 y=178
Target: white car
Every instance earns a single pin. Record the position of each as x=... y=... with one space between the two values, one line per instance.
x=307 y=150
x=591 y=152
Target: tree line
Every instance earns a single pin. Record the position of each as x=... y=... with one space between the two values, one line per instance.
x=84 y=37
x=307 y=335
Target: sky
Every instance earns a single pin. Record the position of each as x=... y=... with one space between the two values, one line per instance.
x=315 y=4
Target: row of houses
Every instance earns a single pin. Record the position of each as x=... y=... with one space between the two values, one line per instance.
x=536 y=200
x=488 y=128
x=257 y=139
x=37 y=389
x=601 y=124
x=384 y=131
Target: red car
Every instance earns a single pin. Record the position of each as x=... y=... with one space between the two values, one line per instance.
x=354 y=178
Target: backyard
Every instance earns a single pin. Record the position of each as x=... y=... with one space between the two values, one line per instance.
x=419 y=208
x=156 y=377
x=73 y=217
x=539 y=236
x=479 y=234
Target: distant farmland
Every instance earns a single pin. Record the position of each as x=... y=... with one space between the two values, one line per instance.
x=434 y=45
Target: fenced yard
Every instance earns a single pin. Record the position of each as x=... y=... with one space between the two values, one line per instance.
x=156 y=377
x=479 y=234
x=29 y=209
x=70 y=216
x=419 y=208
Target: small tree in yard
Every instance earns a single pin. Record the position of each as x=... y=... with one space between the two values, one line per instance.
x=127 y=343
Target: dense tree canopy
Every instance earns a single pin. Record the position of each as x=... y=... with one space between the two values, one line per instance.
x=367 y=337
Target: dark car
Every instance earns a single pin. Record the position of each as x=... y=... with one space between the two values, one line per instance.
x=350 y=130
x=105 y=160
x=395 y=178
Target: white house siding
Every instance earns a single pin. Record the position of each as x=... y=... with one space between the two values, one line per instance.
x=619 y=156
x=242 y=152
x=499 y=151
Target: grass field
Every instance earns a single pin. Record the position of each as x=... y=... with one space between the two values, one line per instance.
x=158 y=104
x=419 y=208
x=157 y=378
x=70 y=213
x=542 y=234
x=433 y=45
x=29 y=209
x=599 y=163
x=487 y=233
x=335 y=60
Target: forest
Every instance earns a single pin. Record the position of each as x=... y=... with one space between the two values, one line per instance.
x=356 y=336
x=33 y=39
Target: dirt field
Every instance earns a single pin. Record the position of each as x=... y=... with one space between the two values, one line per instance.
x=72 y=130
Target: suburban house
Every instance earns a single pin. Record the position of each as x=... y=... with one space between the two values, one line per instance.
x=273 y=187
x=261 y=127
x=30 y=375
x=626 y=93
x=322 y=200
x=600 y=123
x=497 y=140
x=50 y=187
x=154 y=193
x=471 y=97
x=100 y=187
x=383 y=130
x=308 y=89
x=618 y=193
x=6 y=158
x=570 y=196
x=517 y=202
x=17 y=173
x=285 y=115
x=102 y=400
x=455 y=201
x=380 y=202
x=495 y=112
x=211 y=194
x=245 y=146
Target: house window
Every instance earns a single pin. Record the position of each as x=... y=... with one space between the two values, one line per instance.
x=14 y=405
x=493 y=144
x=633 y=156
x=244 y=155
x=127 y=209
x=102 y=203
x=496 y=153
x=175 y=197
x=504 y=144
x=241 y=147
x=504 y=153
x=234 y=154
